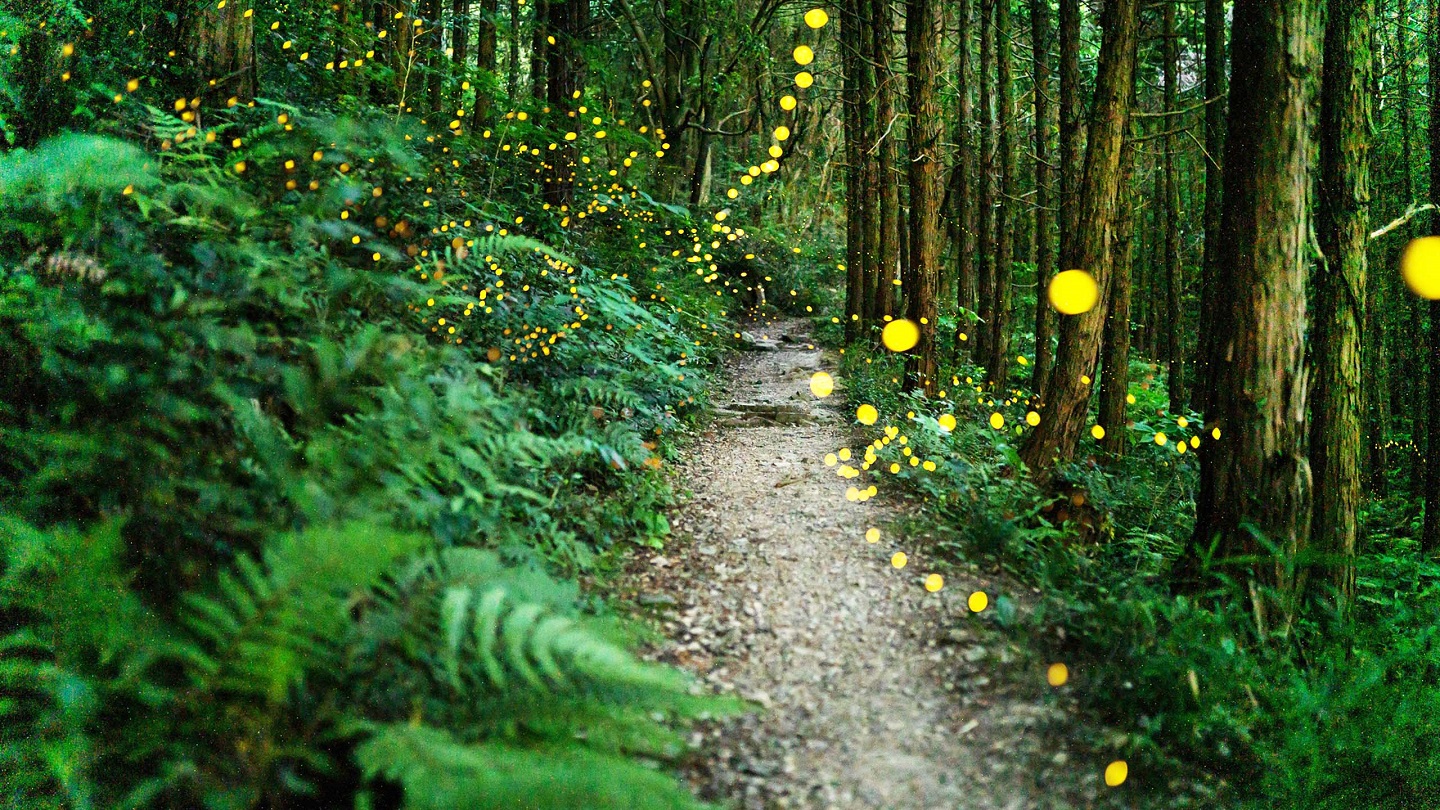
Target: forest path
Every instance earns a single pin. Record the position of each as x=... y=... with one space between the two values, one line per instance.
x=878 y=694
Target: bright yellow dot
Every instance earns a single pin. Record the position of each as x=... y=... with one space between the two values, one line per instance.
x=872 y=535
x=1160 y=438
x=866 y=414
x=1116 y=772
x=782 y=133
x=803 y=55
x=787 y=103
x=1057 y=674
x=831 y=460
x=900 y=335
x=1181 y=447
x=1194 y=441
x=803 y=79
x=1032 y=419
x=899 y=559
x=1215 y=433
x=934 y=582
x=1098 y=432
x=947 y=421
x=821 y=384
x=816 y=18
x=977 y=601
x=997 y=421
x=1420 y=267
x=1130 y=399
x=1073 y=292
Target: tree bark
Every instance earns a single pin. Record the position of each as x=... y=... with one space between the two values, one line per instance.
x=1214 y=146
x=997 y=369
x=460 y=45
x=1062 y=415
x=985 y=221
x=485 y=59
x=1044 y=217
x=1071 y=135
x=1255 y=480
x=539 y=48
x=222 y=49
x=566 y=20
x=1115 y=354
x=1174 y=267
x=923 y=24
x=1430 y=531
x=963 y=175
x=851 y=28
x=1344 y=225
x=888 y=250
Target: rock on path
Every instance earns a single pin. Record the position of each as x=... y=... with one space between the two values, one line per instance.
x=877 y=693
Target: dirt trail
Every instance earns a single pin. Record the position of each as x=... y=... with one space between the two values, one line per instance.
x=878 y=693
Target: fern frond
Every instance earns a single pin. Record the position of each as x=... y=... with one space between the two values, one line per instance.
x=439 y=773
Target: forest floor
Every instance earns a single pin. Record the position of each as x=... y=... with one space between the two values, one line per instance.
x=876 y=693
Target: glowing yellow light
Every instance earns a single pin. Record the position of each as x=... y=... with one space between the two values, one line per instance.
x=1073 y=292
x=821 y=384
x=1116 y=772
x=934 y=582
x=866 y=414
x=804 y=55
x=977 y=601
x=803 y=79
x=1057 y=674
x=900 y=335
x=816 y=18
x=1420 y=267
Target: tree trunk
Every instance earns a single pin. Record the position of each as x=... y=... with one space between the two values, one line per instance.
x=513 y=81
x=882 y=26
x=923 y=24
x=1115 y=354
x=1430 y=532
x=1071 y=136
x=459 y=45
x=997 y=368
x=1343 y=224
x=566 y=20
x=1067 y=397
x=1214 y=145
x=963 y=176
x=1174 y=272
x=1255 y=480
x=539 y=48
x=222 y=49
x=870 y=167
x=485 y=59
x=850 y=35
x=985 y=224
x=434 y=13
x=1044 y=218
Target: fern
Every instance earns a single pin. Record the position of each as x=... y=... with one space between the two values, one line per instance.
x=439 y=773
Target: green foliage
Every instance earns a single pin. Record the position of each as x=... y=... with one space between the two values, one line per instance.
x=1338 y=712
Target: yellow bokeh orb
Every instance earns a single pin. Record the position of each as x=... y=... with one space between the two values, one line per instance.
x=866 y=414
x=804 y=55
x=1057 y=674
x=899 y=559
x=947 y=421
x=1032 y=419
x=1098 y=432
x=781 y=133
x=997 y=421
x=977 y=601
x=872 y=535
x=900 y=335
x=934 y=582
x=787 y=103
x=1116 y=772
x=821 y=384
x=1420 y=267
x=1073 y=292
x=803 y=79
x=816 y=18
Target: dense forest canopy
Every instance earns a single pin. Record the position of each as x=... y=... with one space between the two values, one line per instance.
x=345 y=344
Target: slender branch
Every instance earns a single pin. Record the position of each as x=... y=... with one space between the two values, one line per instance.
x=1410 y=213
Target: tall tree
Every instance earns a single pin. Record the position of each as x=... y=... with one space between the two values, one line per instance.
x=1255 y=479
x=985 y=220
x=1115 y=351
x=221 y=45
x=923 y=24
x=870 y=168
x=1044 y=204
x=485 y=58
x=882 y=23
x=1067 y=391
x=1430 y=532
x=997 y=366
x=1343 y=223
x=567 y=21
x=1174 y=281
x=1071 y=135
x=1214 y=146
x=851 y=44
x=459 y=44
x=962 y=177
